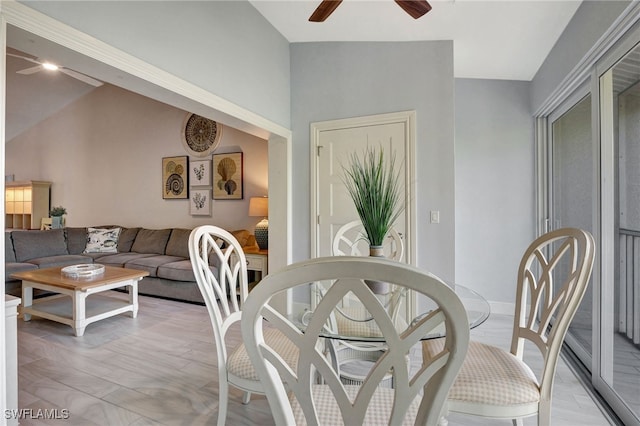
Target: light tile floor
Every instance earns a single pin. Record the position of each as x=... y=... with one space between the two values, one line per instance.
x=159 y=369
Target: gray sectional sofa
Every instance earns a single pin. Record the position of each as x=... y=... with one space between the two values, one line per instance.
x=163 y=253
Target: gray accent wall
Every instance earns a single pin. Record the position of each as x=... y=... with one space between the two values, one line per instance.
x=224 y=47
x=495 y=184
x=349 y=79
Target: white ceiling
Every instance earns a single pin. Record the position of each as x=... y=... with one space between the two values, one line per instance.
x=503 y=39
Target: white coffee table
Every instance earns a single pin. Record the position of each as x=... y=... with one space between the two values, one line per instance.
x=70 y=305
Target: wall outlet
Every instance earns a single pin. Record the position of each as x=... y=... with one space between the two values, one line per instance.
x=435 y=216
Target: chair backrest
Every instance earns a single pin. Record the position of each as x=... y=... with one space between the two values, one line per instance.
x=350 y=241
x=552 y=279
x=430 y=383
x=220 y=268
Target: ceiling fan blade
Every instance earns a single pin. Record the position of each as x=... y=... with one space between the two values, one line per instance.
x=415 y=8
x=26 y=58
x=31 y=70
x=81 y=77
x=325 y=9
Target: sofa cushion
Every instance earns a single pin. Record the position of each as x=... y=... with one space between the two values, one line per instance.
x=60 y=260
x=151 y=264
x=152 y=241
x=118 y=259
x=178 y=244
x=11 y=268
x=9 y=254
x=36 y=244
x=127 y=237
x=76 y=239
x=179 y=271
x=102 y=240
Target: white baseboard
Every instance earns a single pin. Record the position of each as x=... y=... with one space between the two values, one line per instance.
x=502 y=308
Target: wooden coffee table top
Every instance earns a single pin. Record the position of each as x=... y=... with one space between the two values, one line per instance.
x=54 y=277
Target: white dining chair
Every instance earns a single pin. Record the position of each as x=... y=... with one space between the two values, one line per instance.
x=317 y=394
x=220 y=269
x=350 y=240
x=495 y=383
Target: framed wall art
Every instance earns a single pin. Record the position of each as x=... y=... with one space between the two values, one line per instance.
x=200 y=173
x=175 y=184
x=227 y=178
x=200 y=202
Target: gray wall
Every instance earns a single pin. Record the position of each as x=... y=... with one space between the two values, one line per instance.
x=340 y=80
x=494 y=162
x=225 y=47
x=586 y=27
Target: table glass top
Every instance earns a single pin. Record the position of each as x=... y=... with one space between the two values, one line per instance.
x=352 y=322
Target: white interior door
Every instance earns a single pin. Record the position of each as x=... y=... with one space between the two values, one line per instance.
x=332 y=143
x=335 y=207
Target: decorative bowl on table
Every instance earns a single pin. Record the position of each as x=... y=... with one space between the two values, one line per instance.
x=83 y=270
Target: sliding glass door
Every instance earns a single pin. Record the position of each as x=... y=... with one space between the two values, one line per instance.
x=617 y=375
x=571 y=195
x=589 y=177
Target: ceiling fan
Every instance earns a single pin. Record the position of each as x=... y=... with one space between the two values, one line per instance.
x=52 y=67
x=415 y=8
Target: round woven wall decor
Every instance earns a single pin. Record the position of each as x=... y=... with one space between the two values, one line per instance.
x=201 y=135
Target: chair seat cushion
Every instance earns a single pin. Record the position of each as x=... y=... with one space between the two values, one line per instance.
x=378 y=411
x=239 y=364
x=490 y=376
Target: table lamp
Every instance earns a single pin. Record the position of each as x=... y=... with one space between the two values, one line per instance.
x=259 y=207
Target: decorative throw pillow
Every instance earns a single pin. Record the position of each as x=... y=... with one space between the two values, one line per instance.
x=102 y=240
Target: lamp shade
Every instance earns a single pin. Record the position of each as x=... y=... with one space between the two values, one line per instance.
x=259 y=207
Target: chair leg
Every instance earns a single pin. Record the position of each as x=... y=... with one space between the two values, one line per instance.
x=222 y=402
x=544 y=413
x=246 y=398
x=443 y=416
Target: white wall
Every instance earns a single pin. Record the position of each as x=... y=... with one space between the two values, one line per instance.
x=104 y=152
x=340 y=80
x=495 y=181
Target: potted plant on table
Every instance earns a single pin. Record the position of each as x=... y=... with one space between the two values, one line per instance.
x=56 y=214
x=373 y=183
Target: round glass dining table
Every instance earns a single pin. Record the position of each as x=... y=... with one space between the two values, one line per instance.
x=352 y=323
